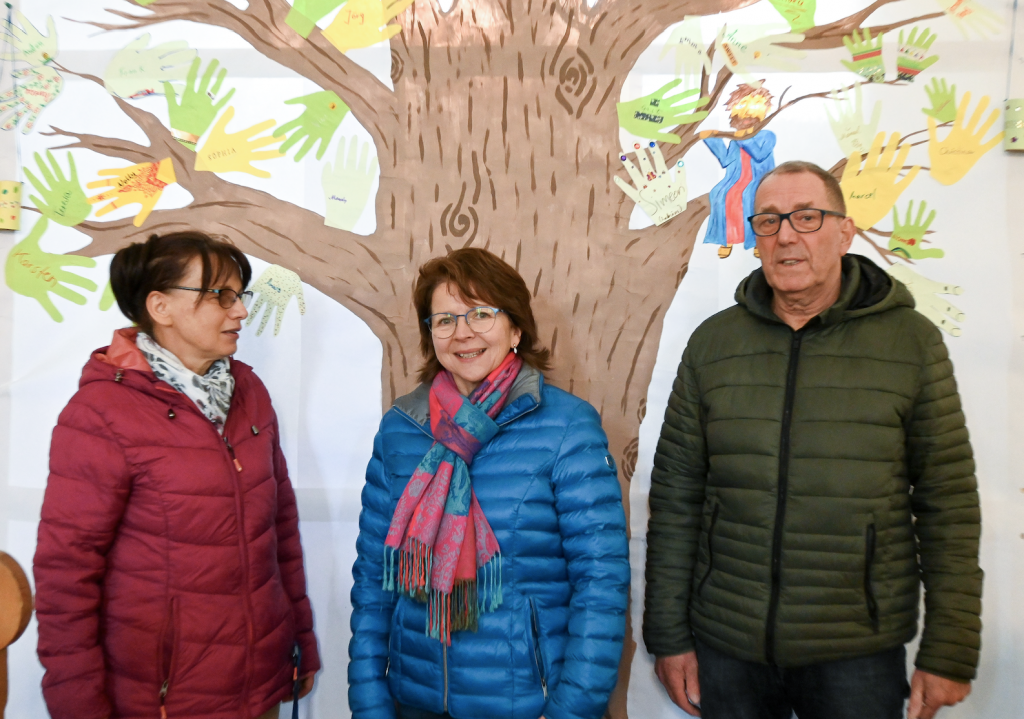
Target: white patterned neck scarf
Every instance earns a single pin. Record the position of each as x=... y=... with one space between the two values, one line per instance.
x=210 y=392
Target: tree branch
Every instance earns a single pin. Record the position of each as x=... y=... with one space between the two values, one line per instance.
x=828 y=36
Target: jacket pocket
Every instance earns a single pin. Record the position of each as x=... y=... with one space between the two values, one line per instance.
x=538 y=651
x=711 y=549
x=168 y=653
x=870 y=540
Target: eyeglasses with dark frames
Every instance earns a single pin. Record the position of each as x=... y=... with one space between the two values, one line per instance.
x=225 y=296
x=479 y=319
x=808 y=219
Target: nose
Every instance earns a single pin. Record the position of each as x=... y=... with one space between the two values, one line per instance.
x=787 y=235
x=238 y=310
x=462 y=328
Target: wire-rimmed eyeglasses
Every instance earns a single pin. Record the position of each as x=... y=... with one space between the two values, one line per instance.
x=808 y=219
x=479 y=319
x=225 y=296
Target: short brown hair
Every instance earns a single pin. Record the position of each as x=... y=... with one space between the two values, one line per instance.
x=479 y=275
x=833 y=190
x=160 y=263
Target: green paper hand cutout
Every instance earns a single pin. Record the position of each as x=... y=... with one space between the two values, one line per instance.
x=34 y=89
x=317 y=123
x=798 y=13
x=913 y=58
x=64 y=201
x=107 y=299
x=943 y=99
x=660 y=195
x=275 y=287
x=33 y=273
x=197 y=110
x=852 y=133
x=867 y=55
x=303 y=16
x=971 y=15
x=953 y=157
x=347 y=185
x=940 y=312
x=653 y=115
x=687 y=42
x=907 y=236
x=34 y=48
x=742 y=51
x=138 y=71
x=362 y=23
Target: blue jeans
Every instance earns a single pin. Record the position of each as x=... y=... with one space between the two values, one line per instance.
x=870 y=687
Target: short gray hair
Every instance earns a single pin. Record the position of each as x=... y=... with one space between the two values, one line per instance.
x=796 y=167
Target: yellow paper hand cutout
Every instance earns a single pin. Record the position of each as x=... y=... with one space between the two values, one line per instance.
x=140 y=184
x=956 y=155
x=870 y=192
x=235 y=152
x=361 y=23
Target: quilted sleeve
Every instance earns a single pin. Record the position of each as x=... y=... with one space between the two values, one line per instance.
x=85 y=499
x=372 y=606
x=678 y=482
x=592 y=525
x=289 y=559
x=948 y=526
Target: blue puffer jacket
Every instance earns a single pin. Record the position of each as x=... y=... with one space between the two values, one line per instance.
x=548 y=488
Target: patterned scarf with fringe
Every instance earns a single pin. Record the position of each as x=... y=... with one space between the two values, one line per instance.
x=440 y=549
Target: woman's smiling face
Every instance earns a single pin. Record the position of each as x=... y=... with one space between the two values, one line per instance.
x=470 y=356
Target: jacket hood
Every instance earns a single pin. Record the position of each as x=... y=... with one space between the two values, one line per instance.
x=866 y=289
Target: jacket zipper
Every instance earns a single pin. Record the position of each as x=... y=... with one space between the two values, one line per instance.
x=869 y=560
x=711 y=556
x=780 y=507
x=538 y=656
x=167 y=641
x=237 y=466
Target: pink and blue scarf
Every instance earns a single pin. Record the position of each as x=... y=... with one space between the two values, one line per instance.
x=440 y=547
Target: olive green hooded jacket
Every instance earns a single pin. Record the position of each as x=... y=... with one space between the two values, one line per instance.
x=806 y=482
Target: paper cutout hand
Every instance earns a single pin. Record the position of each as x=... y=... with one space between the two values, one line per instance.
x=192 y=116
x=317 y=123
x=798 y=13
x=943 y=99
x=867 y=55
x=275 y=287
x=913 y=58
x=64 y=201
x=956 y=155
x=304 y=14
x=659 y=195
x=362 y=23
x=741 y=54
x=852 y=133
x=35 y=88
x=649 y=116
x=137 y=70
x=107 y=299
x=31 y=272
x=971 y=15
x=907 y=236
x=687 y=42
x=924 y=290
x=235 y=152
x=141 y=184
x=872 y=191
x=35 y=48
x=347 y=185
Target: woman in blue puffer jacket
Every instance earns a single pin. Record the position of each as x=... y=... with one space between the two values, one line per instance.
x=492 y=572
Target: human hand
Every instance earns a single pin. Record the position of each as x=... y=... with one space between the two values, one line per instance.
x=798 y=13
x=304 y=14
x=867 y=56
x=362 y=23
x=35 y=48
x=347 y=185
x=940 y=312
x=649 y=116
x=317 y=123
x=306 y=685
x=659 y=195
x=34 y=89
x=971 y=15
x=64 y=201
x=929 y=693
x=192 y=116
x=852 y=133
x=140 y=184
x=741 y=53
x=678 y=674
x=275 y=287
x=236 y=152
x=687 y=42
x=907 y=236
x=913 y=56
x=137 y=70
x=962 y=148
x=943 y=99
x=871 y=191
x=33 y=273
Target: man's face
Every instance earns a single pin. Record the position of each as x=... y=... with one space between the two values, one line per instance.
x=794 y=262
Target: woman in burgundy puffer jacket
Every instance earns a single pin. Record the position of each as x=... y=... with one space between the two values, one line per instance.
x=169 y=573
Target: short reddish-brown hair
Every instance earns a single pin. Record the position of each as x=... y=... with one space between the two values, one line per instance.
x=478 y=275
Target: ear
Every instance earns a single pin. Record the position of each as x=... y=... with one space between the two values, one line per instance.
x=517 y=335
x=847 y=229
x=158 y=305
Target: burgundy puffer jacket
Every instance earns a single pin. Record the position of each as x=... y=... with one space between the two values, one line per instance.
x=169 y=574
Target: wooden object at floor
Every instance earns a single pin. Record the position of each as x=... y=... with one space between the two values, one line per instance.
x=15 y=612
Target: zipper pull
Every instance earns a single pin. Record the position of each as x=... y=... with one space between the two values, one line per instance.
x=238 y=465
x=119 y=375
x=163 y=698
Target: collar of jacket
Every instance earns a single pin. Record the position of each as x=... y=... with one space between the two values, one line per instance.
x=866 y=289
x=523 y=396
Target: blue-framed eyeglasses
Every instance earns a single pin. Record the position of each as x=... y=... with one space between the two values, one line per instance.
x=479 y=319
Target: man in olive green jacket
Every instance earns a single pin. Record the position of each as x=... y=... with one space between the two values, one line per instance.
x=813 y=470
